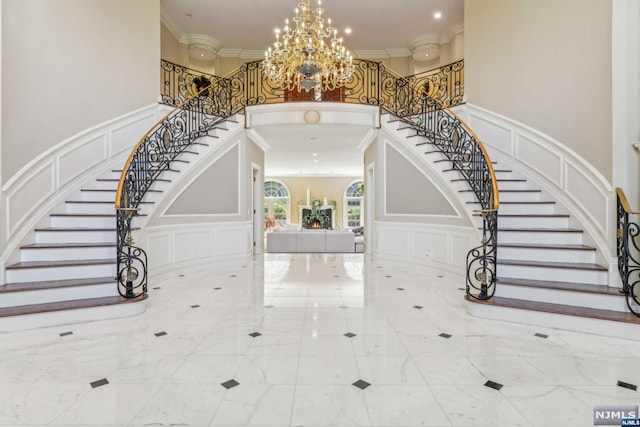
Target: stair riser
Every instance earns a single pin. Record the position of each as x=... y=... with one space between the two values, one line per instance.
x=79 y=221
x=65 y=254
x=511 y=185
x=60 y=273
x=553 y=274
x=102 y=196
x=75 y=236
x=554 y=296
x=539 y=237
x=103 y=185
x=523 y=209
x=11 y=299
x=519 y=197
x=91 y=208
x=533 y=222
x=547 y=255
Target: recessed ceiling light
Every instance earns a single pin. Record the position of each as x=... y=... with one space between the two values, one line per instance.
x=347 y=30
x=202 y=54
x=314 y=154
x=426 y=54
x=313 y=138
x=437 y=15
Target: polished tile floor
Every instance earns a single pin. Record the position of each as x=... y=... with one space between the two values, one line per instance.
x=311 y=340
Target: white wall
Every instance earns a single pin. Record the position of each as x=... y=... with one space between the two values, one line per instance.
x=71 y=64
x=547 y=64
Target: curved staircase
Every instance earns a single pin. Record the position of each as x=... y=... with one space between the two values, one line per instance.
x=543 y=263
x=67 y=273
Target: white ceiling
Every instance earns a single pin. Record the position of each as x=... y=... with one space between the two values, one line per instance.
x=382 y=26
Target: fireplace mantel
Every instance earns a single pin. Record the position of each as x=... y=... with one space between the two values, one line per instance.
x=301 y=209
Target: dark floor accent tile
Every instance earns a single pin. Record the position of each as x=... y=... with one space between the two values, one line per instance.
x=336 y=275
x=400 y=289
x=334 y=266
x=182 y=275
x=387 y=276
x=627 y=385
x=99 y=383
x=160 y=334
x=64 y=334
x=255 y=334
x=443 y=335
x=157 y=287
x=379 y=266
x=195 y=306
x=343 y=307
x=361 y=384
x=440 y=276
x=493 y=385
x=419 y=307
x=541 y=335
x=349 y=335
x=269 y=306
x=461 y=289
x=233 y=275
x=217 y=289
x=230 y=384
x=244 y=266
x=338 y=289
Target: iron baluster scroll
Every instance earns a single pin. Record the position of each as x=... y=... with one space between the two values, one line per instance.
x=446 y=83
x=628 y=252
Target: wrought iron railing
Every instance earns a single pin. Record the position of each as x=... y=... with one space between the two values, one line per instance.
x=445 y=84
x=204 y=100
x=628 y=251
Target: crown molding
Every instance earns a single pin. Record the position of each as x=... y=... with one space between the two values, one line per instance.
x=171 y=25
x=448 y=36
x=202 y=40
x=225 y=52
x=398 y=53
x=251 y=54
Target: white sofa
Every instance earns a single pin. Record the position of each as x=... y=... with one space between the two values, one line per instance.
x=308 y=241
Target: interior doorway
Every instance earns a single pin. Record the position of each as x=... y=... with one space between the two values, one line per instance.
x=257 y=219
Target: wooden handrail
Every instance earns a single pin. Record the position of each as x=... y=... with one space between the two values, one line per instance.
x=624 y=202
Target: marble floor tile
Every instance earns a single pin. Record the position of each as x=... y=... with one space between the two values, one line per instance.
x=167 y=366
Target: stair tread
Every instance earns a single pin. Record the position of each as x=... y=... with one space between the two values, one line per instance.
x=568 y=265
x=546 y=246
x=100 y=190
x=68 y=305
x=65 y=263
x=506 y=191
x=535 y=202
x=103 y=202
x=68 y=245
x=87 y=215
x=566 y=286
x=542 y=230
x=53 y=284
x=149 y=170
x=79 y=229
x=497 y=179
x=118 y=180
x=593 y=313
x=529 y=215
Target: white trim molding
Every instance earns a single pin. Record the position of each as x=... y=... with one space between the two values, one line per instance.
x=566 y=176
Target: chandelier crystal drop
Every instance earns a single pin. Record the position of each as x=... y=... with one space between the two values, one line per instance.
x=310 y=55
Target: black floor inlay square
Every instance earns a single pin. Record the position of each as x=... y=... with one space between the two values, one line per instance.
x=217 y=289
x=269 y=306
x=195 y=306
x=400 y=289
x=182 y=275
x=493 y=385
x=387 y=276
x=99 y=383
x=361 y=384
x=440 y=276
x=627 y=385
x=419 y=307
x=379 y=266
x=541 y=335
x=157 y=287
x=350 y=335
x=255 y=334
x=461 y=289
x=336 y=276
x=160 y=334
x=344 y=307
x=443 y=335
x=64 y=334
x=230 y=384
x=233 y=275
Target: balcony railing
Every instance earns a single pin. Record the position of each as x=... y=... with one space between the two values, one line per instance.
x=202 y=101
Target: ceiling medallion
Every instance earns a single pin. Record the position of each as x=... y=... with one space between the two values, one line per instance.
x=311 y=117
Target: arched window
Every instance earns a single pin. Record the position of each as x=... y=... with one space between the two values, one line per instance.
x=353 y=196
x=276 y=202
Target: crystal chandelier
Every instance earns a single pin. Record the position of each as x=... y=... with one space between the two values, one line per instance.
x=309 y=56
